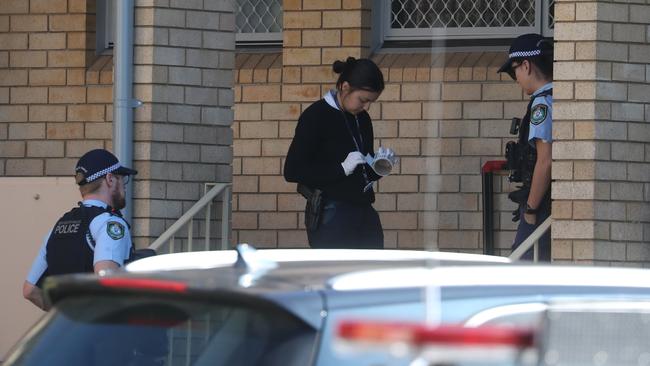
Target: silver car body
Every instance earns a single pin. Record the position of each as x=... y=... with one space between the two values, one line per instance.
x=323 y=287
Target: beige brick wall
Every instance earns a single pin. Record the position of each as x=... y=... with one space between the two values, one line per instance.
x=184 y=57
x=270 y=92
x=601 y=160
x=51 y=106
x=444 y=121
x=56 y=98
x=444 y=114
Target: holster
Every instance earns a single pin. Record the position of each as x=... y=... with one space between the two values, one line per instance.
x=314 y=207
x=513 y=161
x=519 y=197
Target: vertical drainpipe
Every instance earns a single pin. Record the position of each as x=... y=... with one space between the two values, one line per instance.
x=123 y=102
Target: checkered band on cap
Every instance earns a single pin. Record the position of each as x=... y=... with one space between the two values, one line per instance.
x=525 y=53
x=103 y=172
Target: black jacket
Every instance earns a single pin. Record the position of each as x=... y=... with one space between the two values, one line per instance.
x=321 y=143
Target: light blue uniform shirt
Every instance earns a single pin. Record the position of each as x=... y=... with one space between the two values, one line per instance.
x=106 y=247
x=541 y=116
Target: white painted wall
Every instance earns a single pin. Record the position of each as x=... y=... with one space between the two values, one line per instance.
x=29 y=208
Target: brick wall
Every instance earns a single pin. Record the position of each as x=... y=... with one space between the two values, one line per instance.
x=184 y=57
x=56 y=98
x=444 y=114
x=55 y=101
x=270 y=92
x=601 y=154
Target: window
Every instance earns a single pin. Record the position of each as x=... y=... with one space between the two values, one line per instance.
x=258 y=22
x=105 y=28
x=444 y=19
x=120 y=329
x=548 y=14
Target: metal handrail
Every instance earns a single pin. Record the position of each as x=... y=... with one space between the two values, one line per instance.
x=532 y=240
x=188 y=218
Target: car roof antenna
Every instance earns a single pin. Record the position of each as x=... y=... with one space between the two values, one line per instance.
x=250 y=259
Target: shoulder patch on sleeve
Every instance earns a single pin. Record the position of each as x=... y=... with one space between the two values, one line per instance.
x=538 y=114
x=115 y=230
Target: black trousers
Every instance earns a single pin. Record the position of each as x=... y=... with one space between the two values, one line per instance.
x=525 y=229
x=347 y=226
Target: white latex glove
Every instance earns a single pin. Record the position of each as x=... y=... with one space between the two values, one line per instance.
x=350 y=163
x=387 y=153
x=383 y=161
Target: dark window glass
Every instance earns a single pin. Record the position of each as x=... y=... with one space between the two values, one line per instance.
x=124 y=330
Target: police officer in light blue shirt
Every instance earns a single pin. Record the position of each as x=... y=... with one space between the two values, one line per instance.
x=91 y=237
x=541 y=115
x=530 y=64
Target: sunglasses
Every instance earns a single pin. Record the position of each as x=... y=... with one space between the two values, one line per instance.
x=511 y=72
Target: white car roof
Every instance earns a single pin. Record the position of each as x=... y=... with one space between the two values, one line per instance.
x=225 y=258
x=511 y=275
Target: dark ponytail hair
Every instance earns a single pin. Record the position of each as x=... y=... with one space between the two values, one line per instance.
x=360 y=74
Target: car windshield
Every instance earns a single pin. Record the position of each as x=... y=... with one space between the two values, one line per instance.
x=128 y=330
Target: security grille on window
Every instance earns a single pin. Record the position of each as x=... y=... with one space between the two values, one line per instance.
x=448 y=19
x=258 y=21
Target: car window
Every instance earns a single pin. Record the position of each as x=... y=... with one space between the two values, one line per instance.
x=126 y=330
x=461 y=303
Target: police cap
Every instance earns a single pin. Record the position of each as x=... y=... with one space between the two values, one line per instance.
x=525 y=46
x=97 y=163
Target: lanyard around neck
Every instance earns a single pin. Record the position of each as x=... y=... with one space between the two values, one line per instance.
x=359 y=143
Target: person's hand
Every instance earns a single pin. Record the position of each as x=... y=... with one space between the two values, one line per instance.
x=384 y=161
x=350 y=163
x=516 y=215
x=387 y=153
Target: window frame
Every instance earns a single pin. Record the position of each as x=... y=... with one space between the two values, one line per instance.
x=419 y=34
x=105 y=25
x=258 y=38
x=547 y=31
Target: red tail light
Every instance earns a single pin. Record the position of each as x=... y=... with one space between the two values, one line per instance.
x=421 y=335
x=144 y=284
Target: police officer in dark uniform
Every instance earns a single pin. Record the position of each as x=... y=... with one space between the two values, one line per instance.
x=91 y=237
x=530 y=64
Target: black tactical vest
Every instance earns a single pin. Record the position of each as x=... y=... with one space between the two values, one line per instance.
x=68 y=249
x=528 y=151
